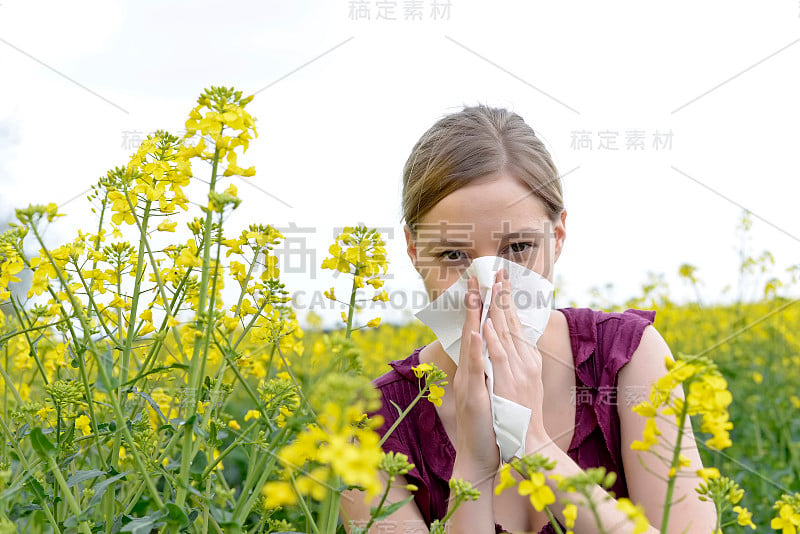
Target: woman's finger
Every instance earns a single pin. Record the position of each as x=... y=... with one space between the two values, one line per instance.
x=470 y=367
x=477 y=376
x=503 y=376
x=516 y=332
x=499 y=315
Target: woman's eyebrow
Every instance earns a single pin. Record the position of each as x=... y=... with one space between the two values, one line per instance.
x=447 y=242
x=524 y=232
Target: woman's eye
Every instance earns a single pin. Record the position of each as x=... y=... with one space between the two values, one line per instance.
x=450 y=255
x=520 y=247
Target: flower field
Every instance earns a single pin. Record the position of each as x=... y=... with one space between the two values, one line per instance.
x=136 y=400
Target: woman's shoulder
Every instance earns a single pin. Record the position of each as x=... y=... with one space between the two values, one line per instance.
x=398 y=386
x=401 y=370
x=588 y=316
x=590 y=325
x=605 y=340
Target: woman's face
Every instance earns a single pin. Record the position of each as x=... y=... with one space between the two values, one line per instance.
x=495 y=215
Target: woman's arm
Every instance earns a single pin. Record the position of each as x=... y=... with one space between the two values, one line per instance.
x=355 y=512
x=470 y=516
x=645 y=473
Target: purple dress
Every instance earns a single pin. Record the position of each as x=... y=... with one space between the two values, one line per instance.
x=602 y=342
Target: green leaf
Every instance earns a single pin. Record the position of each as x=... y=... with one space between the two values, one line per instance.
x=151 y=402
x=199 y=463
x=101 y=487
x=143 y=525
x=157 y=370
x=80 y=476
x=176 y=516
x=392 y=508
x=41 y=444
x=399 y=409
x=36 y=489
x=107 y=361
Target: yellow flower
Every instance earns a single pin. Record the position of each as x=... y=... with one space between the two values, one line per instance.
x=570 y=515
x=383 y=296
x=167 y=226
x=707 y=473
x=278 y=493
x=645 y=409
x=374 y=322
x=375 y=282
x=788 y=520
x=188 y=259
x=435 y=394
x=146 y=329
x=84 y=423
x=252 y=414
x=758 y=377
x=506 y=480
x=421 y=369
x=538 y=492
x=744 y=518
x=634 y=513
x=234 y=424
x=649 y=435
x=44 y=413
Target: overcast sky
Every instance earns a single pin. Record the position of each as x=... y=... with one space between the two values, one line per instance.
x=708 y=89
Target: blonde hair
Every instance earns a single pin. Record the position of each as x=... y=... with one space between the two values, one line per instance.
x=474 y=142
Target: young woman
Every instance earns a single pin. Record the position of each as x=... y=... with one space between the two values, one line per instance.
x=480 y=177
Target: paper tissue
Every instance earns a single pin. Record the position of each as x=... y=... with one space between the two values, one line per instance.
x=532 y=296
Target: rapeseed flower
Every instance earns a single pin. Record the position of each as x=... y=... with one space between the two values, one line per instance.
x=537 y=491
x=788 y=518
x=635 y=513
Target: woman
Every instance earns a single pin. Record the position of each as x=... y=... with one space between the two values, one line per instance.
x=482 y=178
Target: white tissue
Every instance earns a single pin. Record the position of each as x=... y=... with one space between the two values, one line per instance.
x=532 y=296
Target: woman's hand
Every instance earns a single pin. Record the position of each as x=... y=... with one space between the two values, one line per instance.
x=516 y=363
x=477 y=455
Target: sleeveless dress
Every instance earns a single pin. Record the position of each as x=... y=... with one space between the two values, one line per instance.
x=602 y=342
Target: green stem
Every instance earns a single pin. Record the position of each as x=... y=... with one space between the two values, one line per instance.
x=351 y=307
x=302 y=502
x=380 y=505
x=183 y=475
x=676 y=453
x=228 y=450
x=403 y=415
x=126 y=353
x=73 y=504
x=553 y=521
x=330 y=513
x=5 y=338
